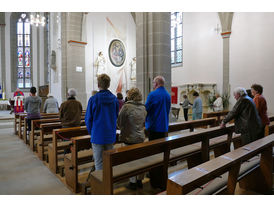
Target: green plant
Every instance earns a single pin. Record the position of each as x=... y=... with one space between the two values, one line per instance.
x=225 y=98
x=211 y=100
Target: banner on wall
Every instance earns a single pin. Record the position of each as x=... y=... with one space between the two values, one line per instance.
x=174 y=95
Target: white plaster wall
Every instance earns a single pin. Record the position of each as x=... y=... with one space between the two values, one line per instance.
x=202 y=51
x=99 y=33
x=55 y=75
x=252 y=53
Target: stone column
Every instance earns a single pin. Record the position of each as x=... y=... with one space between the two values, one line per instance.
x=73 y=56
x=226 y=22
x=153 y=49
x=2 y=55
x=226 y=85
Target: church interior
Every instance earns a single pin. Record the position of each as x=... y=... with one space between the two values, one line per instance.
x=208 y=53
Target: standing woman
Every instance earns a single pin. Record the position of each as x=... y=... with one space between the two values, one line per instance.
x=197 y=108
x=131 y=121
x=185 y=104
x=261 y=105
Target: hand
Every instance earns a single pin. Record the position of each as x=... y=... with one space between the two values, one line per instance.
x=222 y=125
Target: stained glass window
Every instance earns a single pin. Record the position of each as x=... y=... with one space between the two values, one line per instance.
x=23 y=52
x=176 y=36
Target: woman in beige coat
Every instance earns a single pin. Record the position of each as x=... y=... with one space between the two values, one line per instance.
x=131 y=121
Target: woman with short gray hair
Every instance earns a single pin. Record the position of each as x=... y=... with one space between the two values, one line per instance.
x=247 y=120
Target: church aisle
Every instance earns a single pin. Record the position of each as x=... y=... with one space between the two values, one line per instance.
x=22 y=173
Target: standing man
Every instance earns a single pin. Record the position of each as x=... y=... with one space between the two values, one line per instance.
x=71 y=111
x=101 y=116
x=247 y=120
x=158 y=107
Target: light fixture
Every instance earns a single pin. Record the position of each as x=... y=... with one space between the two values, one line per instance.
x=37 y=20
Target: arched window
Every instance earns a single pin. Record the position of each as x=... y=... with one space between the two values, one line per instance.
x=176 y=37
x=23 y=52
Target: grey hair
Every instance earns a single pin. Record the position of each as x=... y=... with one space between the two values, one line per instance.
x=160 y=80
x=72 y=92
x=240 y=90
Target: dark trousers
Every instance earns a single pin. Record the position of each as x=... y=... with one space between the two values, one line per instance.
x=262 y=132
x=156 y=174
x=186 y=114
x=29 y=123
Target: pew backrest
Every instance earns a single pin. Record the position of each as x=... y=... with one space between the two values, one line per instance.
x=186 y=181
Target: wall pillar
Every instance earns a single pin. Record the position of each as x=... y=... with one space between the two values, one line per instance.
x=153 y=49
x=226 y=22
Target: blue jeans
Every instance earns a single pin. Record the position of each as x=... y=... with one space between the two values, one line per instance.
x=98 y=154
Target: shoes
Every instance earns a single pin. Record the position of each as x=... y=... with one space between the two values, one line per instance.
x=139 y=184
x=132 y=186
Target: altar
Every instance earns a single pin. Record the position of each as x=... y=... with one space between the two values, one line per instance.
x=4 y=104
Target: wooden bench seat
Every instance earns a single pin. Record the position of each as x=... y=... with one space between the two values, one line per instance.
x=47 y=129
x=43 y=116
x=259 y=178
x=218 y=185
x=218 y=115
x=128 y=169
x=57 y=135
x=131 y=160
x=80 y=158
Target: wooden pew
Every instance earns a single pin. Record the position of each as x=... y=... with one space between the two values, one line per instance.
x=43 y=116
x=37 y=124
x=21 y=118
x=81 y=154
x=269 y=128
x=258 y=178
x=16 y=122
x=128 y=161
x=81 y=157
x=56 y=146
x=46 y=129
x=177 y=126
x=217 y=115
x=71 y=164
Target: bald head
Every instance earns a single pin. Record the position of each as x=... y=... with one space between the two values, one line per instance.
x=158 y=81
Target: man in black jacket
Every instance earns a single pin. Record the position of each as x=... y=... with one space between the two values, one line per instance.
x=247 y=120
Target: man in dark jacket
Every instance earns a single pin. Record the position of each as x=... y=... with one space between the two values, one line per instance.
x=247 y=120
x=71 y=111
x=101 y=116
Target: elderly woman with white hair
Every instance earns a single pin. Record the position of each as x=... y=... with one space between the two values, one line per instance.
x=51 y=105
x=71 y=111
x=247 y=120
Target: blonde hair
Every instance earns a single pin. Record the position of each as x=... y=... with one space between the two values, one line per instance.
x=134 y=94
x=103 y=81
